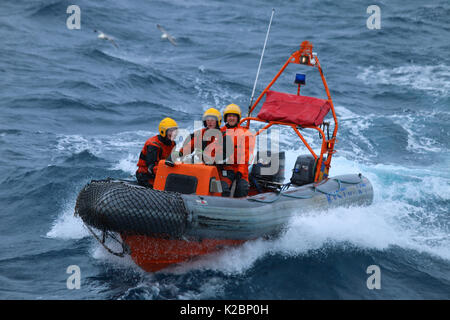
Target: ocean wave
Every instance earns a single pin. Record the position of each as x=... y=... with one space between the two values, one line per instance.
x=67 y=226
x=146 y=80
x=100 y=145
x=207 y=90
x=104 y=56
x=412 y=126
x=77 y=84
x=45 y=9
x=417 y=141
x=430 y=14
x=4 y=132
x=58 y=101
x=432 y=79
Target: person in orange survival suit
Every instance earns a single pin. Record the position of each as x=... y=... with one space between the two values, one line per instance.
x=155 y=149
x=205 y=137
x=235 y=169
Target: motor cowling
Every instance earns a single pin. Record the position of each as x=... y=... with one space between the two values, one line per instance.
x=270 y=167
x=267 y=172
x=304 y=170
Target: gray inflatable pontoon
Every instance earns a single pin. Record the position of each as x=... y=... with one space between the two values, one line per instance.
x=124 y=207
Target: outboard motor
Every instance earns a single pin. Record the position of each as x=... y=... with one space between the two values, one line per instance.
x=304 y=169
x=268 y=172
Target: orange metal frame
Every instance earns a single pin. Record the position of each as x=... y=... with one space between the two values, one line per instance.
x=327 y=145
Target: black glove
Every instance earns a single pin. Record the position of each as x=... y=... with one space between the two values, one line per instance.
x=230 y=175
x=169 y=161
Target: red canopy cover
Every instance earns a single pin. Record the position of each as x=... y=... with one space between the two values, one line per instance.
x=300 y=110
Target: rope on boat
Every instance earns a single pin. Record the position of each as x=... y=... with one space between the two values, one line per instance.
x=105 y=234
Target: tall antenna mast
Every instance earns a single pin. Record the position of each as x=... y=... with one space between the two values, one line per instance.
x=260 y=62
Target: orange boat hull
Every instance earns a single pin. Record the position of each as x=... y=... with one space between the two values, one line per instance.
x=153 y=254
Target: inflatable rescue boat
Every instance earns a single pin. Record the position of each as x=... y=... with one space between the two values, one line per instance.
x=185 y=216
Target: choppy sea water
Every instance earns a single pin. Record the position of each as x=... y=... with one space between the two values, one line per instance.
x=74 y=108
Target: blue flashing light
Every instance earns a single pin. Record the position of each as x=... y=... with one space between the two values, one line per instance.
x=300 y=78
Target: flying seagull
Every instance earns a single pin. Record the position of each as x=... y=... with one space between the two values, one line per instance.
x=166 y=35
x=104 y=36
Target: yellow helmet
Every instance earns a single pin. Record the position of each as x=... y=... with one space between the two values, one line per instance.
x=165 y=124
x=232 y=109
x=211 y=112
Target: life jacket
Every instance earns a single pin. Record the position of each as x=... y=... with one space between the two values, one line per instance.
x=160 y=148
x=209 y=144
x=195 y=140
x=243 y=142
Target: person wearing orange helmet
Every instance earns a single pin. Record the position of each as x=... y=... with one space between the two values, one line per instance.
x=235 y=170
x=155 y=149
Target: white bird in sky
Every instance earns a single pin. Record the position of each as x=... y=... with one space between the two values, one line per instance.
x=104 y=36
x=166 y=35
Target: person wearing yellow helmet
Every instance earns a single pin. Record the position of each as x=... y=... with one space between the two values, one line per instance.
x=235 y=170
x=232 y=115
x=155 y=149
x=203 y=138
x=212 y=118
